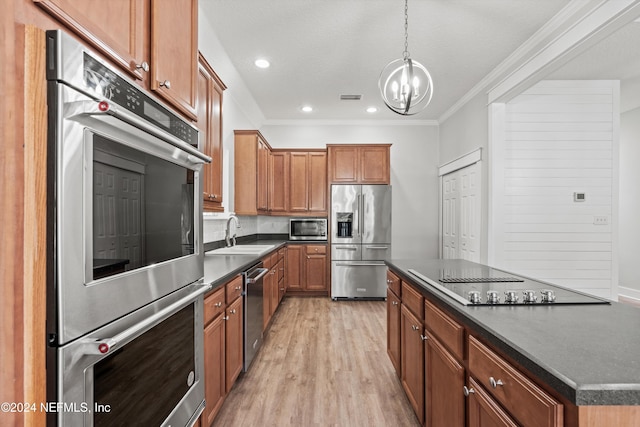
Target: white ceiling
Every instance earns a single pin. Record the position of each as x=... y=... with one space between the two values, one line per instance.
x=320 y=49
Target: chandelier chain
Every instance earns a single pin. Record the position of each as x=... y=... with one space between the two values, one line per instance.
x=406 y=29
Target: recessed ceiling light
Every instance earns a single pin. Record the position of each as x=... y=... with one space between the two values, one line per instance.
x=371 y=109
x=307 y=109
x=262 y=63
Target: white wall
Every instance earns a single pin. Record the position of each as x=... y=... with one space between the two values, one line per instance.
x=629 y=212
x=414 y=161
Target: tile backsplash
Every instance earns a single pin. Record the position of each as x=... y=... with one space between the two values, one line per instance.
x=215 y=226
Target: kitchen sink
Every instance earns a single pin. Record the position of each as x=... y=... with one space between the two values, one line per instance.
x=242 y=250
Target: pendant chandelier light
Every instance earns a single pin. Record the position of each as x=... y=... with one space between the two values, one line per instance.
x=405 y=85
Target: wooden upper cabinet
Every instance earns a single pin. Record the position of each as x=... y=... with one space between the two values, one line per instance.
x=174 y=52
x=251 y=172
x=278 y=181
x=157 y=36
x=115 y=28
x=359 y=164
x=209 y=108
x=317 y=182
x=308 y=182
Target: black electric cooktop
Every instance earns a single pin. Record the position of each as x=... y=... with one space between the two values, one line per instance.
x=484 y=285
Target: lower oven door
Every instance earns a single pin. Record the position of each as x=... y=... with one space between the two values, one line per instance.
x=143 y=369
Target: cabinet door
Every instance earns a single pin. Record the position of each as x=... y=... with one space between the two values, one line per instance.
x=374 y=165
x=317 y=182
x=233 y=342
x=204 y=124
x=294 y=267
x=214 y=367
x=115 y=28
x=267 y=284
x=298 y=183
x=444 y=382
x=484 y=411
x=393 y=330
x=316 y=272
x=262 y=175
x=412 y=356
x=343 y=165
x=274 y=297
x=278 y=182
x=174 y=52
x=215 y=130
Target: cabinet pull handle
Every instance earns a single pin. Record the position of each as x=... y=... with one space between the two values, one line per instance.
x=495 y=383
x=166 y=84
x=467 y=390
x=144 y=66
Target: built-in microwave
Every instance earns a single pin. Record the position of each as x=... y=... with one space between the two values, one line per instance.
x=308 y=229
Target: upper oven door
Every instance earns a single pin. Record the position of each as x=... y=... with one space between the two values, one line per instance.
x=128 y=223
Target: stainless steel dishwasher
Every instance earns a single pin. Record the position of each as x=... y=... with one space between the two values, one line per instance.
x=253 y=312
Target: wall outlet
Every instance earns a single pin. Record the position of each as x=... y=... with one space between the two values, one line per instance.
x=601 y=220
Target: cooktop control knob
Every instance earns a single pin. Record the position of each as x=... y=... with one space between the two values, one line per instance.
x=510 y=297
x=529 y=296
x=474 y=297
x=547 y=295
x=493 y=297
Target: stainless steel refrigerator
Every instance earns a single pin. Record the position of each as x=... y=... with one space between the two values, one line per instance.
x=360 y=240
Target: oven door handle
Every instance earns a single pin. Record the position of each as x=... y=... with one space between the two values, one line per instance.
x=106 y=108
x=102 y=347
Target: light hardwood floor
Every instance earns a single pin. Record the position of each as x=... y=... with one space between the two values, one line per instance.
x=323 y=363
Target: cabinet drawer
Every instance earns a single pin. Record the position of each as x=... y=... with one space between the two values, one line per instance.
x=413 y=300
x=393 y=283
x=214 y=304
x=281 y=253
x=316 y=249
x=528 y=403
x=234 y=289
x=448 y=331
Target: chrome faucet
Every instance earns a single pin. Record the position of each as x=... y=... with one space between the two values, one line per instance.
x=227 y=236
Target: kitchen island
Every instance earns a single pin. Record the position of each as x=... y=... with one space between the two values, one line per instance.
x=585 y=357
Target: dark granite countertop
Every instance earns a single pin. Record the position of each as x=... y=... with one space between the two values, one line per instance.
x=590 y=354
x=219 y=269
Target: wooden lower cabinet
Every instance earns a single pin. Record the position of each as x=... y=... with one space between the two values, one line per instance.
x=307 y=269
x=393 y=329
x=214 y=368
x=483 y=411
x=412 y=356
x=444 y=382
x=233 y=342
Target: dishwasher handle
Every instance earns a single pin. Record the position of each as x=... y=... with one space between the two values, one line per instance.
x=253 y=279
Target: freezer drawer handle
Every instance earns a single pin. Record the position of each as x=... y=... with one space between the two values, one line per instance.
x=344 y=264
x=347 y=248
x=377 y=247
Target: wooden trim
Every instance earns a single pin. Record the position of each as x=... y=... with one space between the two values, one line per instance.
x=596 y=416
x=461 y=162
x=35 y=220
x=204 y=63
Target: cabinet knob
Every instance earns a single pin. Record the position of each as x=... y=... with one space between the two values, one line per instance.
x=238 y=288
x=225 y=318
x=495 y=383
x=394 y=302
x=414 y=327
x=166 y=84
x=214 y=196
x=218 y=304
x=144 y=66
x=424 y=337
x=389 y=281
x=282 y=289
x=232 y=311
x=467 y=390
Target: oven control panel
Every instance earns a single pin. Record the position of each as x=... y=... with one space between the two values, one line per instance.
x=107 y=84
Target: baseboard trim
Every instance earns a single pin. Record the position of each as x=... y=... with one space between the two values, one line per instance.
x=630 y=295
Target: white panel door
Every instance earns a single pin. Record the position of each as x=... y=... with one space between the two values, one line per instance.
x=461 y=204
x=450 y=217
x=469 y=239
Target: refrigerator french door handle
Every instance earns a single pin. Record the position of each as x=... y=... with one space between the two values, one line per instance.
x=356 y=220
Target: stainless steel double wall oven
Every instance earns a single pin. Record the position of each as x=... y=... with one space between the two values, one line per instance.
x=125 y=287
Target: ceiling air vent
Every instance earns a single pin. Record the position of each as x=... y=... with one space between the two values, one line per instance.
x=350 y=97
